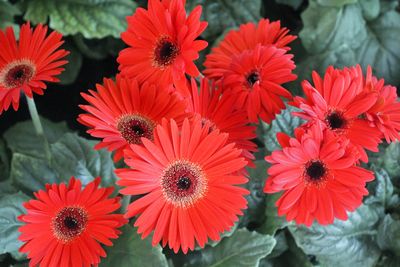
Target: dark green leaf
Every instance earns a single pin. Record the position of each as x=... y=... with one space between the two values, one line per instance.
x=272 y=222
x=243 y=248
x=256 y=198
x=99 y=49
x=31 y=174
x=389 y=235
x=344 y=243
x=336 y=3
x=383 y=191
x=390 y=160
x=129 y=250
x=74 y=156
x=284 y=122
x=10 y=208
x=223 y=14
x=7 y=13
x=91 y=18
x=22 y=138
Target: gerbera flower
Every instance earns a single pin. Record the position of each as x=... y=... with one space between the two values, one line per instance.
x=255 y=78
x=123 y=112
x=27 y=64
x=317 y=172
x=219 y=110
x=65 y=225
x=189 y=181
x=247 y=37
x=162 y=43
x=338 y=101
x=385 y=113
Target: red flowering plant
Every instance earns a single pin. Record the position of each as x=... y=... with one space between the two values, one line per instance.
x=215 y=133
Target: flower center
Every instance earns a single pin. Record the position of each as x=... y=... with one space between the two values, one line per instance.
x=336 y=120
x=133 y=127
x=69 y=223
x=252 y=78
x=315 y=170
x=17 y=73
x=183 y=183
x=165 y=52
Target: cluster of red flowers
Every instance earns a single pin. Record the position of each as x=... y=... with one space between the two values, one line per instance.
x=187 y=147
x=346 y=114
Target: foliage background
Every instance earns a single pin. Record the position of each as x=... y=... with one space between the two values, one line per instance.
x=338 y=32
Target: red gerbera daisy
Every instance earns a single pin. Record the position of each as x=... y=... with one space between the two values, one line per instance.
x=65 y=225
x=317 y=173
x=188 y=176
x=248 y=36
x=122 y=112
x=338 y=101
x=162 y=43
x=218 y=109
x=255 y=78
x=25 y=65
x=385 y=113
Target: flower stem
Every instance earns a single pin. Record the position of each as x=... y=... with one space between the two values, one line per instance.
x=38 y=126
x=126 y=200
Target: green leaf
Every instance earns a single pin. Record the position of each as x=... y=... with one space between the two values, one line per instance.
x=75 y=156
x=328 y=28
x=390 y=160
x=7 y=188
x=129 y=250
x=4 y=161
x=383 y=191
x=344 y=243
x=336 y=3
x=389 y=261
x=243 y=248
x=74 y=65
x=99 y=49
x=10 y=208
x=293 y=3
x=22 y=138
x=225 y=234
x=7 y=13
x=223 y=14
x=272 y=222
x=389 y=235
x=284 y=122
x=91 y=18
x=31 y=174
x=256 y=198
x=352 y=34
x=381 y=48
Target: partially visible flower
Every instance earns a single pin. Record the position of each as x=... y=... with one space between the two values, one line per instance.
x=123 y=112
x=247 y=37
x=338 y=101
x=385 y=113
x=65 y=225
x=219 y=110
x=317 y=172
x=255 y=78
x=188 y=179
x=26 y=65
x=162 y=43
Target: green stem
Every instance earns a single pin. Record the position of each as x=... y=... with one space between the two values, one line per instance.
x=38 y=126
x=126 y=200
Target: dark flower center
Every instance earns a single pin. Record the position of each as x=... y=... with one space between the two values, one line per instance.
x=165 y=52
x=69 y=223
x=315 y=170
x=134 y=127
x=252 y=78
x=336 y=120
x=17 y=73
x=183 y=183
